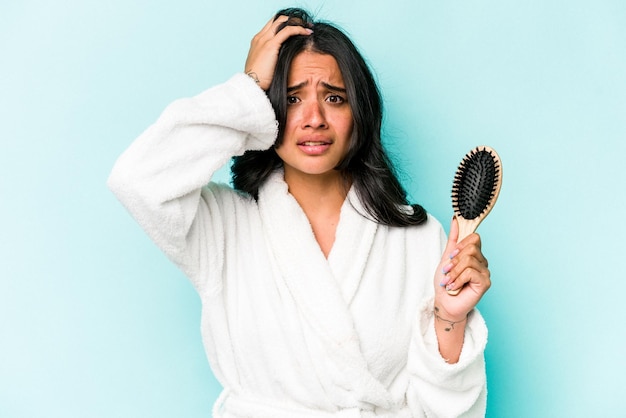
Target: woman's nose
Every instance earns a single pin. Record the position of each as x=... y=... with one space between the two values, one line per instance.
x=314 y=116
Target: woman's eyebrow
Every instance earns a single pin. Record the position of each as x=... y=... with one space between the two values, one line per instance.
x=334 y=88
x=325 y=85
x=297 y=86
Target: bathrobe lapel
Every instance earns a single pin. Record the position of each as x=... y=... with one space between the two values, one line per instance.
x=323 y=298
x=353 y=242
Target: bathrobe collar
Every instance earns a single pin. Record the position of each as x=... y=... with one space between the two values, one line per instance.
x=323 y=289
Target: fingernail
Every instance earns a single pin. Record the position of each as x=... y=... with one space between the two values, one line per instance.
x=310 y=31
x=454 y=253
x=444 y=281
x=446 y=269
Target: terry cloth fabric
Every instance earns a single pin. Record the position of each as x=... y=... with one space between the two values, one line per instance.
x=288 y=332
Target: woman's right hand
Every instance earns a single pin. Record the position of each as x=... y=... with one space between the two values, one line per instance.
x=264 y=48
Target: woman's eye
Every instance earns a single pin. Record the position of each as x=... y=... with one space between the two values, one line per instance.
x=335 y=99
x=292 y=100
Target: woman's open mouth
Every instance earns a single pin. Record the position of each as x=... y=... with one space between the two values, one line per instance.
x=314 y=147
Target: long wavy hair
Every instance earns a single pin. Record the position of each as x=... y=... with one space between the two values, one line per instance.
x=366 y=165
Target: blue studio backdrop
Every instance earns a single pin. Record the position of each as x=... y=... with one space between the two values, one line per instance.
x=96 y=322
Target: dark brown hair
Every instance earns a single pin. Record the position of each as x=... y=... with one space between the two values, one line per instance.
x=366 y=165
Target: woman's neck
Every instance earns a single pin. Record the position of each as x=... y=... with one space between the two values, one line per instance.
x=321 y=198
x=321 y=192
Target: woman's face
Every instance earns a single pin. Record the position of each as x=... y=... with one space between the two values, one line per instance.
x=319 y=118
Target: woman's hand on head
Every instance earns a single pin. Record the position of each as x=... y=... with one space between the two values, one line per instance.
x=463 y=267
x=264 y=48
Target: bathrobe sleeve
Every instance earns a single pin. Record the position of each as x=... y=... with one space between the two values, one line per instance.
x=435 y=387
x=442 y=389
x=161 y=177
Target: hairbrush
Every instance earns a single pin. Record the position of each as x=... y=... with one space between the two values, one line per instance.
x=475 y=190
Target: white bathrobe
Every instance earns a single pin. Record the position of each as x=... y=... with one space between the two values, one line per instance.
x=289 y=333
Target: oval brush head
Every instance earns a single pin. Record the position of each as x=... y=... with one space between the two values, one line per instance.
x=475 y=189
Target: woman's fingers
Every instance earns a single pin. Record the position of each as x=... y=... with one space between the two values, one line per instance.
x=468 y=265
x=269 y=30
x=264 y=48
x=478 y=280
x=289 y=31
x=464 y=277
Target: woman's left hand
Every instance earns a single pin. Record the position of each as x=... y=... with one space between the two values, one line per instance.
x=463 y=266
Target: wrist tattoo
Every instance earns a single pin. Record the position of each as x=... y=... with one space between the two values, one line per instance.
x=253 y=76
x=451 y=324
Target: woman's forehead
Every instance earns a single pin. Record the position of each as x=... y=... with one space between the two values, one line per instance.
x=310 y=66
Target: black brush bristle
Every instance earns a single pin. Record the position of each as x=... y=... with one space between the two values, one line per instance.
x=474 y=183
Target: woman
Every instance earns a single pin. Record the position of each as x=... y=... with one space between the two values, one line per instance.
x=323 y=292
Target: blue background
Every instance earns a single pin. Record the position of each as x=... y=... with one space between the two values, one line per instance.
x=95 y=322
